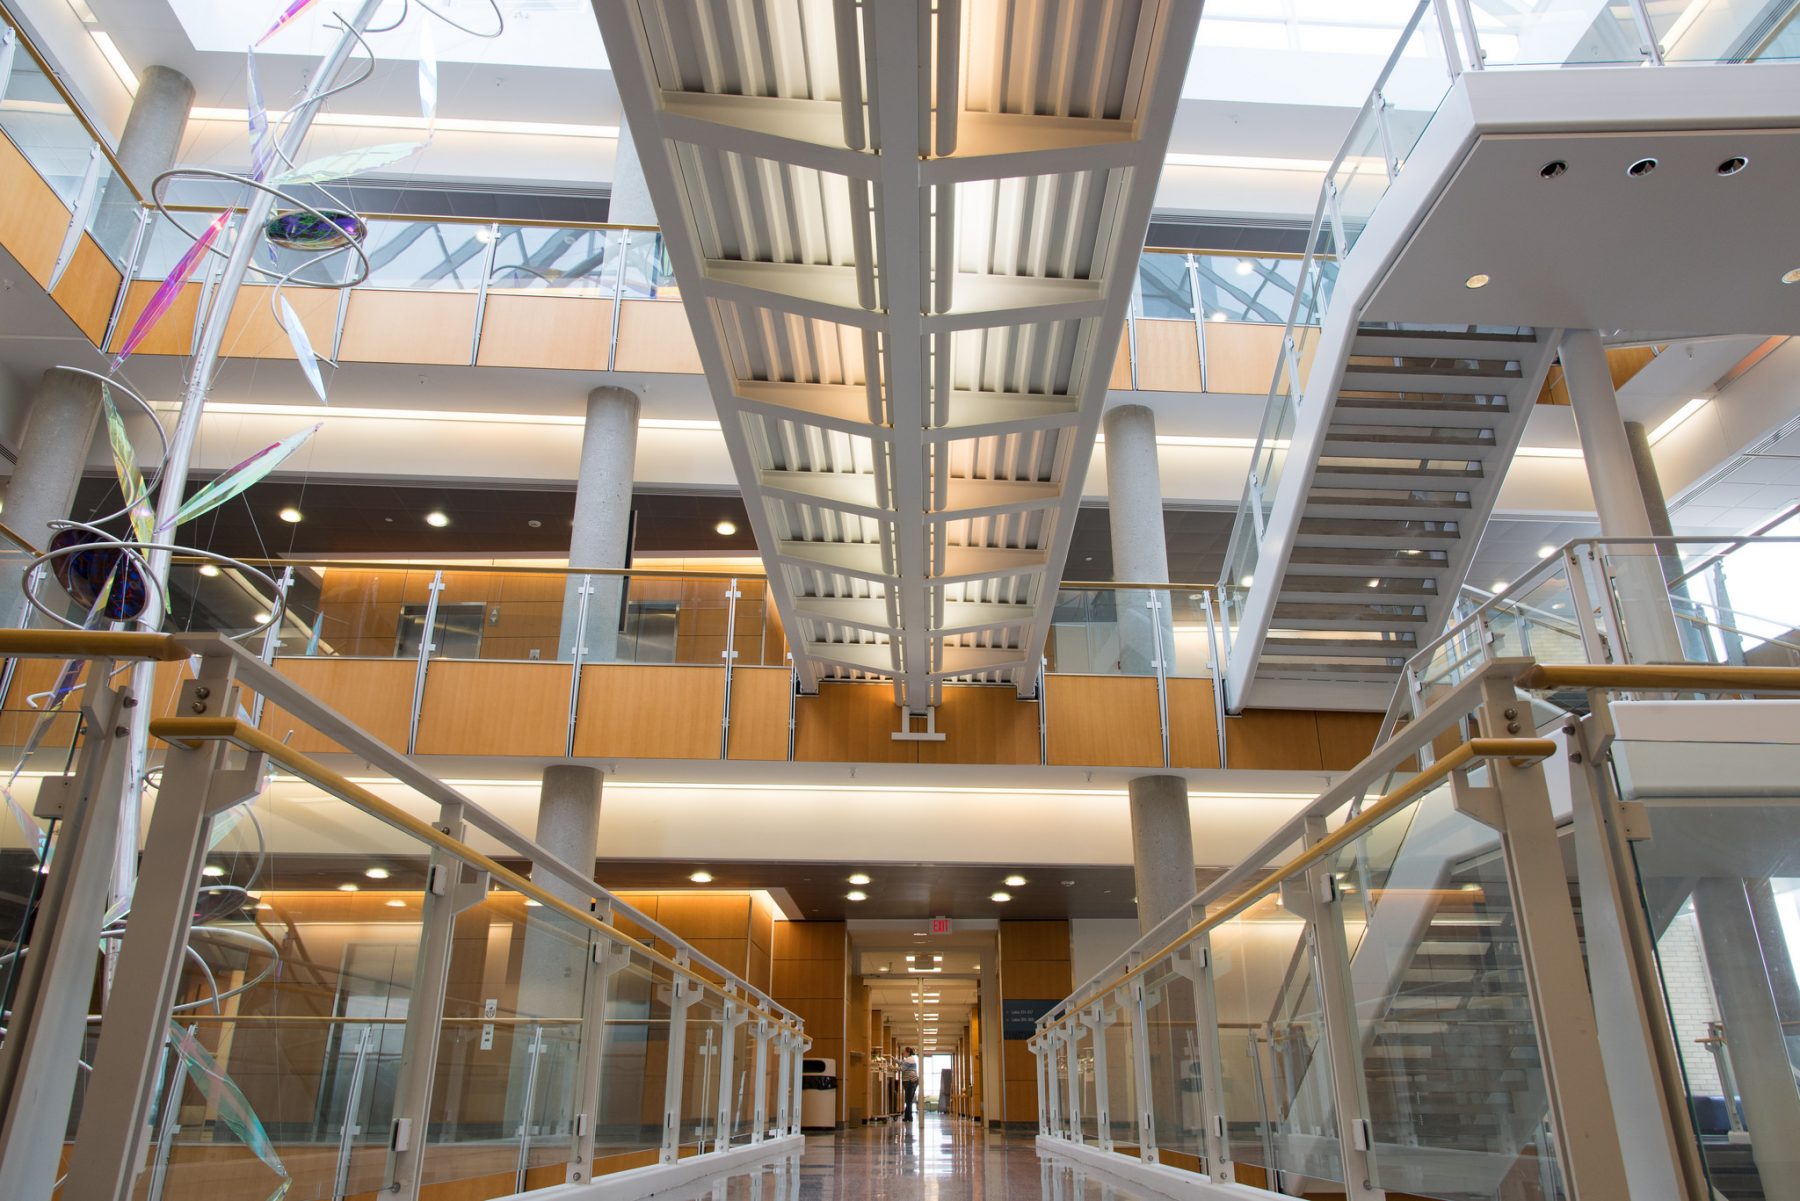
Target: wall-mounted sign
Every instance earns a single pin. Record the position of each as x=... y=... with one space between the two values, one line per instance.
x=940 y=925
x=1018 y=1019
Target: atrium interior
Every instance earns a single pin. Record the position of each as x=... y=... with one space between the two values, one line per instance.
x=899 y=600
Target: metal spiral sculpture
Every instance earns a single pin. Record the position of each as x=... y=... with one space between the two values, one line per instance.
x=114 y=567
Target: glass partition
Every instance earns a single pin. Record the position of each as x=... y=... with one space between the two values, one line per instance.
x=583 y=262
x=1163 y=287
x=427 y=255
x=1558 y=33
x=38 y=121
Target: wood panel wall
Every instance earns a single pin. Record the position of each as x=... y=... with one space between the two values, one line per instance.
x=631 y=711
x=253 y=332
x=1102 y=721
x=1168 y=356
x=558 y=330
x=473 y=707
x=759 y=712
x=654 y=335
x=88 y=288
x=1034 y=966
x=376 y=694
x=360 y=609
x=33 y=220
x=812 y=962
x=384 y=326
x=174 y=334
x=1299 y=739
x=856 y=1079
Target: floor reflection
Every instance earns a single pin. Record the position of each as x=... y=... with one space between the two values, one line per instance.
x=936 y=1159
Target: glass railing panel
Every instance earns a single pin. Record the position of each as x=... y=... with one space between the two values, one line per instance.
x=1255 y=289
x=648 y=274
x=583 y=262
x=1719 y=881
x=1439 y=984
x=1163 y=288
x=37 y=120
x=743 y=1084
x=427 y=255
x=169 y=237
x=758 y=638
x=113 y=220
x=1361 y=180
x=1276 y=1089
x=1557 y=33
x=1086 y=1084
x=706 y=1034
x=1416 y=87
x=1121 y=1075
x=1736 y=604
x=512 y=615
x=1193 y=624
x=1101 y=631
x=26 y=841
x=373 y=614
x=634 y=1066
x=1175 y=1075
x=1719 y=31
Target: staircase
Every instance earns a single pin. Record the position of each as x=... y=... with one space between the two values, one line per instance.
x=1421 y=427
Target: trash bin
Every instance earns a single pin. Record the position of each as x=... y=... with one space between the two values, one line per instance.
x=818 y=1094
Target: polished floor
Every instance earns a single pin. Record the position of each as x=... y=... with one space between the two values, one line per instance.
x=934 y=1159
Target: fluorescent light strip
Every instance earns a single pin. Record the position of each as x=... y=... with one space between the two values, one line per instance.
x=1248 y=162
x=110 y=51
x=236 y=409
x=552 y=129
x=1673 y=423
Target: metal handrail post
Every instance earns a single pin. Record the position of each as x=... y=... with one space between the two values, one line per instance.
x=451 y=888
x=1471 y=39
x=759 y=1120
x=733 y=1018
x=1650 y=48
x=350 y=1128
x=534 y=1052
x=1441 y=10
x=577 y=654
x=1161 y=656
x=730 y=656
x=1217 y=648
x=1096 y=1020
x=681 y=996
x=606 y=960
x=1210 y=1054
x=1140 y=1052
x=432 y=592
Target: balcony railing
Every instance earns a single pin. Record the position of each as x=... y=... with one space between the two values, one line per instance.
x=466 y=1007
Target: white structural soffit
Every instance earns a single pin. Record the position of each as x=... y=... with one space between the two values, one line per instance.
x=905 y=235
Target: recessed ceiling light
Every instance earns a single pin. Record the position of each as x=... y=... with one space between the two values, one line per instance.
x=1499 y=586
x=396 y=903
x=1216 y=316
x=911 y=958
x=856 y=895
x=348 y=888
x=725 y=529
x=209 y=570
x=1245 y=267
x=937 y=959
x=1375 y=583
x=1246 y=581
x=213 y=870
x=535 y=524
x=859 y=879
x=1477 y=280
x=1001 y=896
x=701 y=877
x=1641 y=168
x=1014 y=881
x=1733 y=165
x=376 y=873
x=1553 y=169
x=436 y=520
x=261 y=616
x=1791 y=277
x=290 y=515
x=1544 y=552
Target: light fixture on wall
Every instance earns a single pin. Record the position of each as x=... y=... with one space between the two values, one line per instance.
x=349 y=888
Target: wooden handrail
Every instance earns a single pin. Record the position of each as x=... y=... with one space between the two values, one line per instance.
x=190 y=731
x=1688 y=677
x=89 y=644
x=1518 y=749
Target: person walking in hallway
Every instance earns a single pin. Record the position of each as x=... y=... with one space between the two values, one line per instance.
x=909 y=1082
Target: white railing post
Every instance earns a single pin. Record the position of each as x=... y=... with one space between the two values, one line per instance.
x=606 y=959
x=1210 y=1055
x=734 y=1017
x=681 y=995
x=1096 y=1021
x=759 y=1083
x=1140 y=1053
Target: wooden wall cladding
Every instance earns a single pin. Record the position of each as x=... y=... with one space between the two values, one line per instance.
x=1102 y=721
x=564 y=331
x=33 y=220
x=360 y=610
x=811 y=962
x=627 y=711
x=982 y=724
x=477 y=708
x=174 y=334
x=654 y=335
x=1168 y=356
x=1034 y=966
x=856 y=723
x=376 y=694
x=1120 y=380
x=253 y=333
x=1241 y=357
x=759 y=712
x=1299 y=739
x=88 y=288
x=408 y=327
x=1193 y=724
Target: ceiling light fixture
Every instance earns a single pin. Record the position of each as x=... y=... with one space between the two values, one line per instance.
x=530 y=903
x=911 y=958
x=209 y=570
x=1498 y=587
x=1245 y=267
x=1544 y=552
x=1014 y=881
x=701 y=877
x=1641 y=168
x=1791 y=277
x=376 y=873
x=1001 y=896
x=349 y=888
x=1733 y=165
x=725 y=529
x=856 y=895
x=290 y=515
x=396 y=903
x=1217 y=316
x=436 y=520
x=1478 y=280
x=859 y=879
x=212 y=870
x=1680 y=415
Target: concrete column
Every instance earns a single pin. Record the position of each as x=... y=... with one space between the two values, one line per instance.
x=568 y=822
x=628 y=196
x=1753 y=1033
x=602 y=530
x=1162 y=847
x=1618 y=499
x=53 y=450
x=1691 y=618
x=147 y=148
x=1140 y=551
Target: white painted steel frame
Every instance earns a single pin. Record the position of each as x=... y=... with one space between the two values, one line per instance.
x=907 y=282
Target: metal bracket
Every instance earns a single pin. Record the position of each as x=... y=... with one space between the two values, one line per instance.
x=1481 y=804
x=1634 y=821
x=929 y=734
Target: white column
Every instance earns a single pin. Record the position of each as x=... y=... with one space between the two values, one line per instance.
x=59 y=431
x=602 y=530
x=1139 y=548
x=1753 y=1034
x=147 y=148
x=1162 y=847
x=568 y=823
x=1618 y=499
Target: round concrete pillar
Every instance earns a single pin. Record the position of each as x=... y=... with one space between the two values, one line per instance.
x=147 y=148
x=568 y=823
x=1139 y=548
x=601 y=534
x=53 y=451
x=1162 y=847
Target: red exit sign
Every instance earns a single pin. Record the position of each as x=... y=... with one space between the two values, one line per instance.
x=940 y=925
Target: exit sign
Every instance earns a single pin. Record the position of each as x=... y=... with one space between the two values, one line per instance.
x=940 y=925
